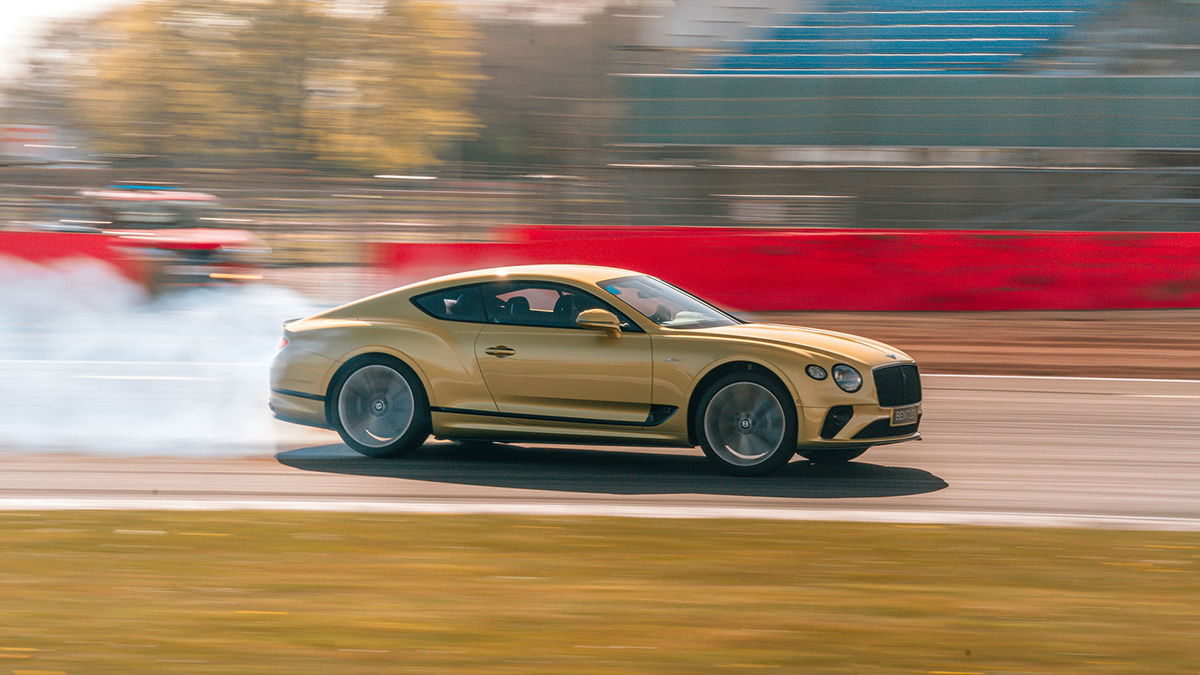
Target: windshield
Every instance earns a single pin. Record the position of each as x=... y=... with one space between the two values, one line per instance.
x=666 y=305
x=155 y=214
x=141 y=207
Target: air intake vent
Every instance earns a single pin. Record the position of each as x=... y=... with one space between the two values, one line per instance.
x=884 y=429
x=836 y=419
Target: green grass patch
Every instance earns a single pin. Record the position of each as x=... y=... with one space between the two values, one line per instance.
x=259 y=592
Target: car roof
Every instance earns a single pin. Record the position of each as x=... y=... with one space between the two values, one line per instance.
x=579 y=273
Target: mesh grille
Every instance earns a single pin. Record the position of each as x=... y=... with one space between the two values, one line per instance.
x=883 y=429
x=898 y=385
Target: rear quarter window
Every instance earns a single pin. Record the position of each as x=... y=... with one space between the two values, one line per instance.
x=461 y=303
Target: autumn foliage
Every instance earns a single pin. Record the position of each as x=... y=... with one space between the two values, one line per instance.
x=368 y=85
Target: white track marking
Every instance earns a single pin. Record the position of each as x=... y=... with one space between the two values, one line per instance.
x=143 y=377
x=197 y=364
x=897 y=517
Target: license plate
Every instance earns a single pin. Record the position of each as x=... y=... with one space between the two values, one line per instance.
x=907 y=415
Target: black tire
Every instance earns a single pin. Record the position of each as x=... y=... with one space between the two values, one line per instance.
x=746 y=423
x=831 y=456
x=368 y=402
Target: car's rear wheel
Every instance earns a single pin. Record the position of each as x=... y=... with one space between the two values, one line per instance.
x=830 y=456
x=746 y=423
x=379 y=407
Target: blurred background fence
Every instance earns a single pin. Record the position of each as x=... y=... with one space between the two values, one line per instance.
x=1058 y=114
x=1071 y=115
x=641 y=193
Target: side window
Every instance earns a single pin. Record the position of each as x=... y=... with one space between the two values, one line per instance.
x=540 y=303
x=461 y=303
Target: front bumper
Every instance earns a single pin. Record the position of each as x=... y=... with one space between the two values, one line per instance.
x=867 y=425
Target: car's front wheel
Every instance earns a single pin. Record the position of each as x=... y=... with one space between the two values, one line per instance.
x=379 y=407
x=746 y=423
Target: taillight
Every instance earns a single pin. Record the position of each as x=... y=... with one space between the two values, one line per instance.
x=282 y=343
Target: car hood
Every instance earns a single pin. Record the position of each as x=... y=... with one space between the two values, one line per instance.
x=845 y=345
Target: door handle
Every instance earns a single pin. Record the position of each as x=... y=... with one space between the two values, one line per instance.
x=500 y=351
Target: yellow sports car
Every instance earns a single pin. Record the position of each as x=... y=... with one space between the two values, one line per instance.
x=582 y=354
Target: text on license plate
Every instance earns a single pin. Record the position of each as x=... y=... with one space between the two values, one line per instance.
x=908 y=415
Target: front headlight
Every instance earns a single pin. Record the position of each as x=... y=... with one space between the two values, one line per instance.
x=847 y=378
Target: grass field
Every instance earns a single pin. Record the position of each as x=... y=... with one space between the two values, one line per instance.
x=258 y=592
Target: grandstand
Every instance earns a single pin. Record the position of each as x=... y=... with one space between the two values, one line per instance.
x=1049 y=114
x=921 y=74
x=908 y=37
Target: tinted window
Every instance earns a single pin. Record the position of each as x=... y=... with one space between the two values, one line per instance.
x=539 y=303
x=667 y=305
x=461 y=303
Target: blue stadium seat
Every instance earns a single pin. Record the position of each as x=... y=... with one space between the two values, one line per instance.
x=863 y=60
x=827 y=72
x=900 y=46
x=978 y=5
x=903 y=36
x=1067 y=17
x=918 y=32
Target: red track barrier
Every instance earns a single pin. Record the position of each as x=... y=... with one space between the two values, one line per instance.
x=56 y=248
x=882 y=270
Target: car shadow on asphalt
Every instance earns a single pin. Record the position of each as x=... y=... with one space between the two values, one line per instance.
x=612 y=472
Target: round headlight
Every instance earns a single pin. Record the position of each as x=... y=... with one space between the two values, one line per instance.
x=847 y=378
x=816 y=372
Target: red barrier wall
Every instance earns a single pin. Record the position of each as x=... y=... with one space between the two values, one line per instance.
x=50 y=248
x=883 y=270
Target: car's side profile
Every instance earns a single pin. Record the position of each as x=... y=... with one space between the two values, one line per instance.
x=593 y=355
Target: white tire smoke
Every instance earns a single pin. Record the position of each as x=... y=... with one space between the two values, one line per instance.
x=88 y=364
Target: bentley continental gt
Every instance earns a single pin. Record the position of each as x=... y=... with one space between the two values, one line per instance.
x=588 y=355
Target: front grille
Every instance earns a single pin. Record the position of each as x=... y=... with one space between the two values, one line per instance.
x=883 y=428
x=898 y=385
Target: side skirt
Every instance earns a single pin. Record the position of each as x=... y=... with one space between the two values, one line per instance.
x=657 y=415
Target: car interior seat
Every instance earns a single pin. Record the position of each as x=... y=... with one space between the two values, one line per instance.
x=519 y=311
x=661 y=314
x=565 y=311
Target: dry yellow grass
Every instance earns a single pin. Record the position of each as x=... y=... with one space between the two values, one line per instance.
x=252 y=592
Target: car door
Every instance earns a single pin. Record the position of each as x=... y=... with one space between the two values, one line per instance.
x=448 y=358
x=538 y=365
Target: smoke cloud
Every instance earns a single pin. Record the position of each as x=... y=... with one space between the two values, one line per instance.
x=90 y=364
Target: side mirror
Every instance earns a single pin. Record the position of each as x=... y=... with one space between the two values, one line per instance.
x=600 y=319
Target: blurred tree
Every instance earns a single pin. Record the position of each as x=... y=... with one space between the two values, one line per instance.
x=396 y=88
x=373 y=85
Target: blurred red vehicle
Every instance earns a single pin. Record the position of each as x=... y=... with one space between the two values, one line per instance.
x=165 y=229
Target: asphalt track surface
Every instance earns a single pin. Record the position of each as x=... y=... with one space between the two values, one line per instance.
x=1089 y=452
